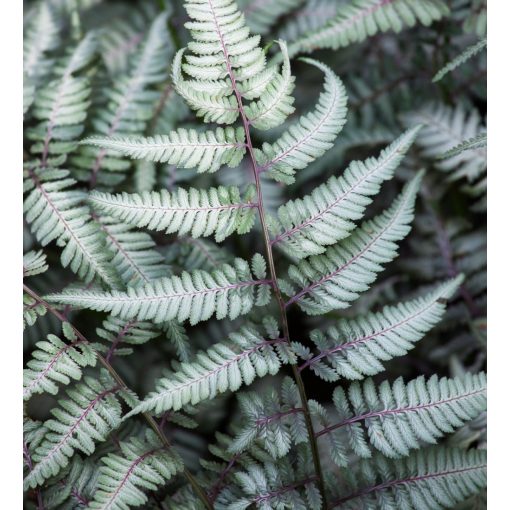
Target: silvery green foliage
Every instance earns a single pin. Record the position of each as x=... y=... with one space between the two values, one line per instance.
x=253 y=243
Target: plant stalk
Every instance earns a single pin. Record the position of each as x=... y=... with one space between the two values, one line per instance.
x=150 y=420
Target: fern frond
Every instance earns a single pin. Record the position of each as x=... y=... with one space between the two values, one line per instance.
x=206 y=151
x=311 y=136
x=227 y=292
x=355 y=348
x=129 y=104
x=468 y=53
x=476 y=21
x=40 y=37
x=55 y=361
x=56 y=213
x=331 y=281
x=445 y=128
x=399 y=417
x=356 y=21
x=61 y=106
x=34 y=262
x=263 y=14
x=478 y=142
x=220 y=211
x=222 y=367
x=434 y=478
x=87 y=416
x=32 y=310
x=134 y=254
x=142 y=465
x=28 y=93
x=275 y=103
x=326 y=216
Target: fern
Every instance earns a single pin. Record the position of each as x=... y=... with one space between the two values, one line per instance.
x=143 y=464
x=364 y=18
x=261 y=15
x=468 y=53
x=221 y=210
x=54 y=362
x=227 y=292
x=333 y=280
x=219 y=369
x=34 y=263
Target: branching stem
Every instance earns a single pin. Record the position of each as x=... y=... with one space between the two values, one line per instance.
x=150 y=420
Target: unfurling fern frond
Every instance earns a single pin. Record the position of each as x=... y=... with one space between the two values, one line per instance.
x=222 y=367
x=355 y=348
x=34 y=263
x=335 y=279
x=356 y=21
x=228 y=291
x=61 y=106
x=460 y=59
x=142 y=464
x=55 y=362
x=134 y=254
x=433 y=478
x=399 y=417
x=311 y=136
x=90 y=413
x=220 y=211
x=56 y=213
x=207 y=151
x=326 y=216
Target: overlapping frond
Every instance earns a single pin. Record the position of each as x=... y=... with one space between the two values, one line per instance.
x=356 y=21
x=142 y=465
x=220 y=211
x=311 y=136
x=90 y=413
x=129 y=104
x=468 y=53
x=355 y=348
x=478 y=142
x=56 y=362
x=57 y=213
x=225 y=366
x=434 y=478
x=445 y=128
x=34 y=262
x=399 y=417
x=61 y=106
x=228 y=291
x=186 y=148
x=134 y=255
x=335 y=279
x=326 y=216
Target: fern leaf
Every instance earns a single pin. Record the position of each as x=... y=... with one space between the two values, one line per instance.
x=222 y=367
x=34 y=262
x=228 y=291
x=220 y=211
x=61 y=106
x=445 y=128
x=433 y=478
x=56 y=213
x=275 y=103
x=331 y=281
x=134 y=254
x=142 y=465
x=206 y=151
x=355 y=348
x=32 y=310
x=55 y=361
x=356 y=21
x=326 y=215
x=468 y=53
x=400 y=417
x=312 y=135
x=41 y=36
x=478 y=142
x=87 y=416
